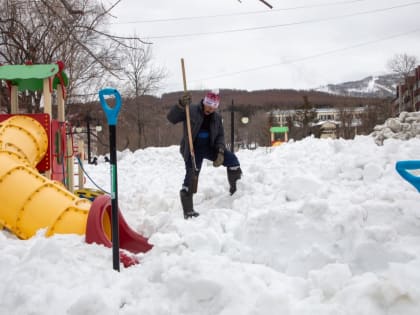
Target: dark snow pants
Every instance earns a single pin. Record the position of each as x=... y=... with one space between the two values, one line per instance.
x=202 y=150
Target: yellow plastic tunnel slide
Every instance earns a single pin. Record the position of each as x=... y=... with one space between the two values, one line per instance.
x=28 y=200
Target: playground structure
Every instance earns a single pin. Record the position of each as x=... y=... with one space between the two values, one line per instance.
x=36 y=169
x=276 y=132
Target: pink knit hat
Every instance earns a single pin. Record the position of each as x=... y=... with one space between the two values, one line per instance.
x=212 y=99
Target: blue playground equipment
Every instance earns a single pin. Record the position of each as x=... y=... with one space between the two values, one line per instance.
x=402 y=168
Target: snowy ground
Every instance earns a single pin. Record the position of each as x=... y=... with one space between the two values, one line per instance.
x=316 y=227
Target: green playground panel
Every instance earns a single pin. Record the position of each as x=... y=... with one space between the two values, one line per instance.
x=279 y=129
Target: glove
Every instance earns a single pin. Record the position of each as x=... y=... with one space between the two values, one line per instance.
x=185 y=100
x=219 y=158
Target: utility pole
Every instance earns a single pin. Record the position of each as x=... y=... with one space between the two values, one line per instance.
x=232 y=128
x=88 y=118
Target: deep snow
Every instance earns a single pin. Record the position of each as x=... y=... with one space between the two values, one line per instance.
x=316 y=227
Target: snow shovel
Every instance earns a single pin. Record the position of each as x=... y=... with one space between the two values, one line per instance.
x=402 y=168
x=194 y=180
x=112 y=116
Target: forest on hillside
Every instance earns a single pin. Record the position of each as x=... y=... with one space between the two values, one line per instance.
x=142 y=121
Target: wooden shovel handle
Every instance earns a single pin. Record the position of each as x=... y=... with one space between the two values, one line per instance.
x=187 y=114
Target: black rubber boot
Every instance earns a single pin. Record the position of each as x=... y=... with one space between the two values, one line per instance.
x=233 y=176
x=187 y=204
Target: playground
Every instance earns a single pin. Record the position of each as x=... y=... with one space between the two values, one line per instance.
x=37 y=158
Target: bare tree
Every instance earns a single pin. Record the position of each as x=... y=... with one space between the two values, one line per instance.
x=402 y=64
x=373 y=115
x=69 y=8
x=305 y=116
x=369 y=119
x=346 y=129
x=44 y=32
x=142 y=77
x=258 y=129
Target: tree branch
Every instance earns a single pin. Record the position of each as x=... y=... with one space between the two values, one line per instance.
x=70 y=9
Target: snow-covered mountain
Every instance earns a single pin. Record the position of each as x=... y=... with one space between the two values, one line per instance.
x=372 y=86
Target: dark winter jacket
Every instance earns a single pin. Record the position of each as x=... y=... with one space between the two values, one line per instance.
x=217 y=139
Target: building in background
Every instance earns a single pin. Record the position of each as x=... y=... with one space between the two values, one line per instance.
x=327 y=122
x=408 y=94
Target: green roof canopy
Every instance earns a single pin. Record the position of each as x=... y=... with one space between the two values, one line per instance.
x=30 y=77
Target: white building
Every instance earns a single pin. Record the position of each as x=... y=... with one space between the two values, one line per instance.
x=327 y=119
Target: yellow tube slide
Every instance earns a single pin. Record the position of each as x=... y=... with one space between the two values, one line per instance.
x=28 y=200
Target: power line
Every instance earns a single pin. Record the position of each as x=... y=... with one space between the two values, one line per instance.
x=282 y=25
x=173 y=19
x=267 y=4
x=326 y=53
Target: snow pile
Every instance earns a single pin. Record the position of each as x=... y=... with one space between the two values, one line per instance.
x=317 y=227
x=405 y=127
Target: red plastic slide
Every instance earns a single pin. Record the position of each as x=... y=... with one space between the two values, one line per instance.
x=98 y=230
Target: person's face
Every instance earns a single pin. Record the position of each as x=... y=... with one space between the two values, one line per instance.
x=209 y=109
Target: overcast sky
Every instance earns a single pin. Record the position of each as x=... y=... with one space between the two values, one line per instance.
x=299 y=44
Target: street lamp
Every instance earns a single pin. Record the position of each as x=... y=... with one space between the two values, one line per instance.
x=244 y=120
x=88 y=119
x=79 y=129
